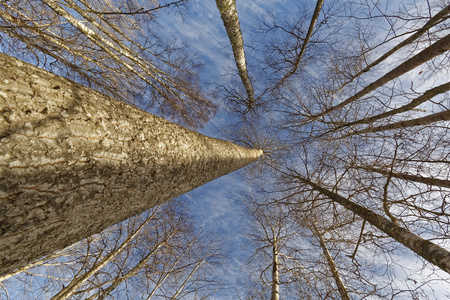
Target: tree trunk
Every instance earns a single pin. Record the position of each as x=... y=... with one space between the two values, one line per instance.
x=74 y=162
x=436 y=19
x=313 y=22
x=415 y=178
x=275 y=272
x=230 y=18
x=330 y=261
x=437 y=117
x=414 y=103
x=77 y=282
x=435 y=254
x=434 y=50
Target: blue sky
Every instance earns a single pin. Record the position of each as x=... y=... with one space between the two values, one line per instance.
x=217 y=206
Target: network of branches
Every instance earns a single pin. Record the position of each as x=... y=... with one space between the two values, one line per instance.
x=349 y=101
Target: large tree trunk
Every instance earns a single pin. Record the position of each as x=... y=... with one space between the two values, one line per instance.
x=435 y=254
x=74 y=162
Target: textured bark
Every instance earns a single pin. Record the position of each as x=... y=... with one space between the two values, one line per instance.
x=432 y=51
x=331 y=264
x=415 y=178
x=74 y=162
x=437 y=117
x=275 y=277
x=435 y=254
x=105 y=55
x=228 y=12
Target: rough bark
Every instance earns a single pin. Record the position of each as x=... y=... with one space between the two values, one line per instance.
x=230 y=18
x=437 y=117
x=433 y=253
x=432 y=51
x=105 y=55
x=74 y=162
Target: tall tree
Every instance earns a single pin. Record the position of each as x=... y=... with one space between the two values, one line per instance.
x=434 y=50
x=155 y=253
x=230 y=18
x=75 y=162
x=305 y=42
x=331 y=264
x=431 y=252
x=111 y=47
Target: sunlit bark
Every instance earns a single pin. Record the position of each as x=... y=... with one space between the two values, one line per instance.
x=433 y=253
x=275 y=272
x=74 y=162
x=437 y=117
x=230 y=19
x=331 y=264
x=432 y=51
x=108 y=53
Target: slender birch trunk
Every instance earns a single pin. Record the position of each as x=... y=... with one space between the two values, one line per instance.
x=230 y=18
x=74 y=162
x=435 y=254
x=414 y=103
x=79 y=281
x=434 y=50
x=415 y=178
x=436 y=19
x=275 y=295
x=139 y=266
x=332 y=265
x=437 y=117
x=313 y=22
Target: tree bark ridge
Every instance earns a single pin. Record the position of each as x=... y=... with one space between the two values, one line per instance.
x=74 y=162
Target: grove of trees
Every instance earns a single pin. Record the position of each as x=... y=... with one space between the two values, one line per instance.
x=349 y=101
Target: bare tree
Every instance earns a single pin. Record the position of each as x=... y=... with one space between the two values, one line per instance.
x=331 y=264
x=230 y=18
x=431 y=252
x=149 y=255
x=437 y=117
x=434 y=50
x=108 y=46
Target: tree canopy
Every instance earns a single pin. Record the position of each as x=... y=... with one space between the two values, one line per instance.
x=349 y=101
